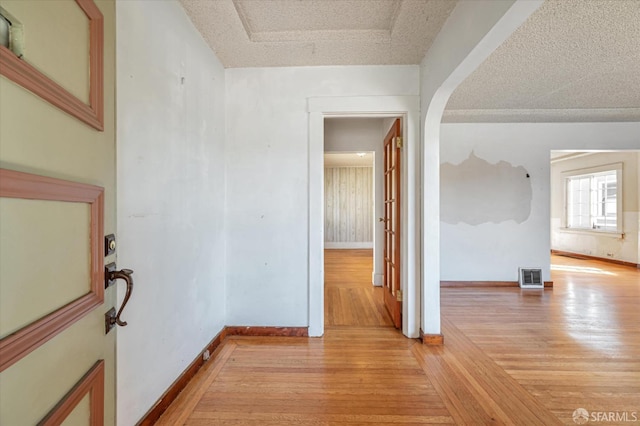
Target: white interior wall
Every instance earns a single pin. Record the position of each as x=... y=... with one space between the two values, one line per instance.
x=268 y=181
x=170 y=163
x=470 y=34
x=363 y=134
x=494 y=251
x=591 y=243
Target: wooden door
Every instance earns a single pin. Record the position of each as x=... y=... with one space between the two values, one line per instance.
x=391 y=280
x=57 y=202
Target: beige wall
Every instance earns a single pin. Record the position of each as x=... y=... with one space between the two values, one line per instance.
x=348 y=200
x=37 y=137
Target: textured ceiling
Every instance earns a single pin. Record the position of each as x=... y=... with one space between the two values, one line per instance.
x=348 y=159
x=267 y=33
x=572 y=60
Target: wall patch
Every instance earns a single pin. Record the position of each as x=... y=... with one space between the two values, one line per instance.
x=476 y=191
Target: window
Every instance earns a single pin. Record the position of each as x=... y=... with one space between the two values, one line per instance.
x=594 y=199
x=11 y=34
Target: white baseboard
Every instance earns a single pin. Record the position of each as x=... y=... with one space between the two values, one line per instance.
x=377 y=279
x=348 y=245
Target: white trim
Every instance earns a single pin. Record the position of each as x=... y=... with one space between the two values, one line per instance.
x=376 y=279
x=365 y=106
x=594 y=232
x=346 y=245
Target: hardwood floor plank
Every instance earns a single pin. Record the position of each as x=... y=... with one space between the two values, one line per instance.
x=377 y=381
x=298 y=421
x=579 y=341
x=350 y=298
x=510 y=356
x=304 y=418
x=463 y=408
x=184 y=404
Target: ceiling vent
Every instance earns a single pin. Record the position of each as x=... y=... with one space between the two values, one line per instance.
x=531 y=278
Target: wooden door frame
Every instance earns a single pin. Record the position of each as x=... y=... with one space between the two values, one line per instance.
x=408 y=108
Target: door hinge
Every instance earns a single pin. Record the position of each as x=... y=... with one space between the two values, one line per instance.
x=398 y=295
x=398 y=141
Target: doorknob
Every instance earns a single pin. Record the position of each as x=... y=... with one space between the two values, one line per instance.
x=111 y=319
x=381 y=219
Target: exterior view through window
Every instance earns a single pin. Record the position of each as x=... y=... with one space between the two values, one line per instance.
x=592 y=201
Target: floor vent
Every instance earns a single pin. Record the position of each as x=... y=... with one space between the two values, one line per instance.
x=531 y=278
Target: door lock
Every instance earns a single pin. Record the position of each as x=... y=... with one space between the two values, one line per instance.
x=109 y=244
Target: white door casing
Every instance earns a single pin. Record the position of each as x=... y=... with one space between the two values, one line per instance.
x=407 y=107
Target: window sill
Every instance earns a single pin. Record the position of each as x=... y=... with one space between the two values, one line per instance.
x=593 y=232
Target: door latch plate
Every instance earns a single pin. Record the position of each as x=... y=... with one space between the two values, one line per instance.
x=109 y=320
x=110 y=267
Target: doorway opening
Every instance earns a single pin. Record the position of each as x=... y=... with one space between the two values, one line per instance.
x=594 y=198
x=351 y=299
x=386 y=107
x=359 y=214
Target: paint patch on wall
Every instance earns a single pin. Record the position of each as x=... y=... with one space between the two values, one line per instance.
x=476 y=191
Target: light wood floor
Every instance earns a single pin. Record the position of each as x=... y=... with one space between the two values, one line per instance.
x=510 y=357
x=349 y=297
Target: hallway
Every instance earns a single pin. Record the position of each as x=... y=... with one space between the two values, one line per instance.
x=349 y=297
x=510 y=357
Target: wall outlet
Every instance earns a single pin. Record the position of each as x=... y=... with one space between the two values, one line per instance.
x=206 y=355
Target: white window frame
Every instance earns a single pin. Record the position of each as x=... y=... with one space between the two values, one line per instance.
x=591 y=171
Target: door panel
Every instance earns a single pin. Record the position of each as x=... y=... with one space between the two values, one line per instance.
x=29 y=289
x=391 y=279
x=80 y=414
x=48 y=240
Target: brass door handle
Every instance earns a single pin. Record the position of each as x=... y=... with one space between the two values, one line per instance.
x=111 y=319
